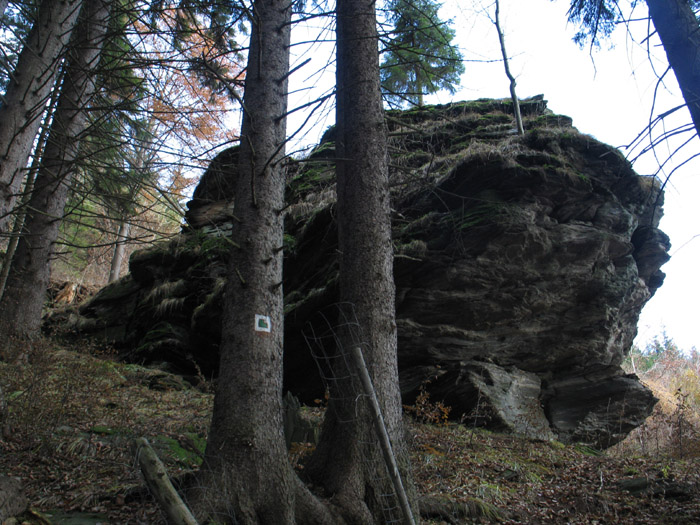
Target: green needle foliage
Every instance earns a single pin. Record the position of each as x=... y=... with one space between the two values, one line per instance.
x=419 y=58
x=598 y=18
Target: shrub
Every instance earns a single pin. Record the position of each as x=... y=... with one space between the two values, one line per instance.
x=427 y=411
x=673 y=375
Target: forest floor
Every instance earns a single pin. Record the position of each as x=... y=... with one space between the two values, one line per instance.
x=72 y=416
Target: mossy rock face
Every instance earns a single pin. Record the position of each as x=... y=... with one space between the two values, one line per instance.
x=522 y=263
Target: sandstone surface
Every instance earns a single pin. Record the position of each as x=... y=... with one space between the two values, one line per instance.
x=522 y=264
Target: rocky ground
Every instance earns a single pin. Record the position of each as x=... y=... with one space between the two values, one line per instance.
x=71 y=418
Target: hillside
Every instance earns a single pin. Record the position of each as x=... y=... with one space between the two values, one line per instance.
x=71 y=418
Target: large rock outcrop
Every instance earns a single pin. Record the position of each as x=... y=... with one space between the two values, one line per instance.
x=522 y=264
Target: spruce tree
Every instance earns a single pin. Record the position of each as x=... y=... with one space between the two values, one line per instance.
x=28 y=278
x=28 y=90
x=419 y=58
x=345 y=464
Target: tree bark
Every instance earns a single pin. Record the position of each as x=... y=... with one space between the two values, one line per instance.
x=20 y=216
x=679 y=32
x=25 y=99
x=28 y=278
x=246 y=477
x=346 y=463
x=119 y=247
x=511 y=78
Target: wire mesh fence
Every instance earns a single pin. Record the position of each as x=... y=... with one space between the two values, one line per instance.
x=331 y=336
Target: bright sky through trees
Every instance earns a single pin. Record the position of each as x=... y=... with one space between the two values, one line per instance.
x=609 y=95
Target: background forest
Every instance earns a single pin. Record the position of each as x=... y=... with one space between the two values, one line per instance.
x=166 y=123
x=111 y=109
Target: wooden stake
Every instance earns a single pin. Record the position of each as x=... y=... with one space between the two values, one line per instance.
x=384 y=440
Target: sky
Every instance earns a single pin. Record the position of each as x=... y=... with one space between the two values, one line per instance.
x=607 y=92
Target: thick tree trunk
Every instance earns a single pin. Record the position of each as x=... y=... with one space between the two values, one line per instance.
x=246 y=477
x=348 y=462
x=679 y=32
x=27 y=281
x=119 y=247
x=18 y=225
x=27 y=93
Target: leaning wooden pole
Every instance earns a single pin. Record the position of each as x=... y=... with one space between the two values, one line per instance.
x=383 y=435
x=159 y=484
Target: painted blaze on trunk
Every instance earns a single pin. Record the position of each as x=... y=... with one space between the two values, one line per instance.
x=246 y=474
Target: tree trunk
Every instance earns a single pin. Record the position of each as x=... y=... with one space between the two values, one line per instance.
x=25 y=99
x=119 y=247
x=246 y=477
x=511 y=78
x=3 y=6
x=680 y=35
x=27 y=281
x=20 y=217
x=18 y=225
x=348 y=460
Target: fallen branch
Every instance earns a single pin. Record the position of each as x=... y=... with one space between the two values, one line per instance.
x=159 y=484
